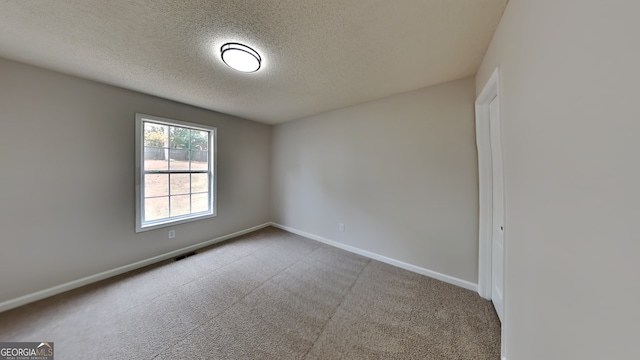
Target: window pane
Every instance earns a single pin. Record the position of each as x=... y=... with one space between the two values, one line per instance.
x=156 y=185
x=155 y=158
x=199 y=140
x=199 y=202
x=180 y=205
x=179 y=137
x=156 y=208
x=179 y=159
x=179 y=184
x=199 y=160
x=174 y=171
x=155 y=135
x=199 y=183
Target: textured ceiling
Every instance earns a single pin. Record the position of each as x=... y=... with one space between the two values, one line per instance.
x=318 y=55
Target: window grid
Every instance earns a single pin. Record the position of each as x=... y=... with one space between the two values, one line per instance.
x=186 y=153
x=170 y=172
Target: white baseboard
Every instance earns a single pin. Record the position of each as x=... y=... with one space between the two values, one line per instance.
x=430 y=273
x=38 y=295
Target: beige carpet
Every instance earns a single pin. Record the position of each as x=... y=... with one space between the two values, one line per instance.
x=265 y=295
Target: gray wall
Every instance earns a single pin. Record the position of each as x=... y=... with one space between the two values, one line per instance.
x=571 y=126
x=67 y=207
x=400 y=173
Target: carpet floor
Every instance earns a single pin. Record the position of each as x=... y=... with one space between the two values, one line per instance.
x=265 y=295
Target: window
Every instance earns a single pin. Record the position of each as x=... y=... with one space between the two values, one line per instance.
x=175 y=177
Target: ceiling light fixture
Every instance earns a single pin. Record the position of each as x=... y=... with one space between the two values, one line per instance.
x=240 y=57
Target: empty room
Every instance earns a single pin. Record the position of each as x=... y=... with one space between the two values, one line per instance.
x=305 y=179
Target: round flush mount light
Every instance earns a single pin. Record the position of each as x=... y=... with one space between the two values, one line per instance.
x=240 y=57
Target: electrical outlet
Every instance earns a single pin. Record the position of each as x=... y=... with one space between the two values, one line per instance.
x=341 y=227
x=172 y=234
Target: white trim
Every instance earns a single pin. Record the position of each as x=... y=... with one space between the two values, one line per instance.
x=485 y=174
x=430 y=273
x=139 y=161
x=483 y=137
x=38 y=295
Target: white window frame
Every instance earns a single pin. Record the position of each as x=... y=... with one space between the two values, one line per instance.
x=141 y=225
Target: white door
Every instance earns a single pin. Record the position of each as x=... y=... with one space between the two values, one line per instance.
x=497 y=240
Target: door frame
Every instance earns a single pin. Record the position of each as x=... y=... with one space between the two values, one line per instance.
x=490 y=91
x=483 y=142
